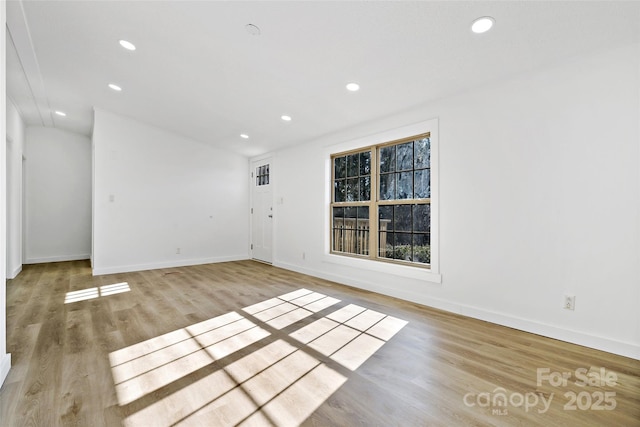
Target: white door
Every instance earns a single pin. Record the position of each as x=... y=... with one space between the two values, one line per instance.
x=262 y=211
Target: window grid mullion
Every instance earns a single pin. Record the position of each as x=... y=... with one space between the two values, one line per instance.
x=373 y=207
x=404 y=202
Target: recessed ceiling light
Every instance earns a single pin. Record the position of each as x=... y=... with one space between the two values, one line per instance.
x=353 y=87
x=61 y=113
x=286 y=118
x=115 y=87
x=482 y=25
x=244 y=135
x=127 y=45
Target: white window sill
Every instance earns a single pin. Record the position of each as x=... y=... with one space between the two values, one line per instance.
x=406 y=271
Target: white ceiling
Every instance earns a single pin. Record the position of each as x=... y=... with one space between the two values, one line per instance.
x=199 y=73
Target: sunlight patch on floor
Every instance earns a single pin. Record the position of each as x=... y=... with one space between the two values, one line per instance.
x=280 y=383
x=290 y=308
x=143 y=368
x=83 y=295
x=91 y=293
x=189 y=400
x=298 y=402
x=349 y=335
x=116 y=288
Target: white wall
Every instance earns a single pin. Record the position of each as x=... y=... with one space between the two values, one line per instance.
x=15 y=149
x=57 y=195
x=5 y=359
x=638 y=260
x=539 y=196
x=155 y=192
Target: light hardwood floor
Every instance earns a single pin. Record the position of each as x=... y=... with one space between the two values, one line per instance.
x=244 y=343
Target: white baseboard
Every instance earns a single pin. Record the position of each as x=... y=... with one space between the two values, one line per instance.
x=166 y=264
x=575 y=337
x=13 y=274
x=5 y=366
x=60 y=258
x=361 y=284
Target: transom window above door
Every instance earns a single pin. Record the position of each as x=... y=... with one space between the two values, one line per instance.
x=262 y=175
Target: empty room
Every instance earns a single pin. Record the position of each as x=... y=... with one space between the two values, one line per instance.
x=320 y=213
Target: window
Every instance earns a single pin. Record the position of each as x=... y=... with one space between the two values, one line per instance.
x=390 y=182
x=262 y=175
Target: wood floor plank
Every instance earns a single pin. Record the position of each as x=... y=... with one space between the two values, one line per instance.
x=439 y=369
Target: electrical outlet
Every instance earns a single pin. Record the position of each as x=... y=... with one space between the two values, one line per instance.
x=570 y=302
x=178 y=251
x=304 y=256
